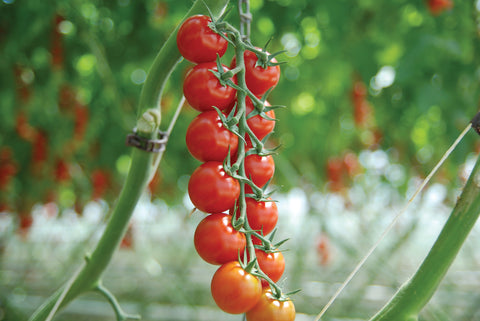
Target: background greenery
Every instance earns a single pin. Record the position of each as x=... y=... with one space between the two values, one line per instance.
x=71 y=77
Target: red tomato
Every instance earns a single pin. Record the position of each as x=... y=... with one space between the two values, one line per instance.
x=272 y=309
x=197 y=42
x=203 y=90
x=235 y=290
x=436 y=7
x=272 y=264
x=216 y=241
x=260 y=169
x=211 y=190
x=261 y=216
x=260 y=126
x=208 y=140
x=258 y=79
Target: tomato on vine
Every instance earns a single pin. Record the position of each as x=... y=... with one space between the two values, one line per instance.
x=234 y=289
x=208 y=140
x=211 y=189
x=259 y=169
x=258 y=78
x=271 y=263
x=197 y=42
x=202 y=89
x=262 y=216
x=216 y=241
x=271 y=308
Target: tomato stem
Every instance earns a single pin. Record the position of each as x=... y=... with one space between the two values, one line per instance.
x=410 y=299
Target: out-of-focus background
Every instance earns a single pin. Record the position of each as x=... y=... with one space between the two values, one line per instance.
x=375 y=92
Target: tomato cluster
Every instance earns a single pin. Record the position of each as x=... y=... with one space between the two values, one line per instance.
x=225 y=235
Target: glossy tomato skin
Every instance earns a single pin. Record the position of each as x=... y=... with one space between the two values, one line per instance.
x=203 y=90
x=272 y=264
x=216 y=241
x=260 y=169
x=261 y=216
x=258 y=79
x=208 y=140
x=211 y=189
x=197 y=42
x=260 y=126
x=271 y=309
x=235 y=290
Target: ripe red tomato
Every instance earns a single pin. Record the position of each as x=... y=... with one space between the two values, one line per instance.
x=258 y=79
x=270 y=308
x=260 y=126
x=235 y=290
x=272 y=264
x=197 y=42
x=216 y=241
x=260 y=169
x=203 y=90
x=211 y=190
x=208 y=140
x=261 y=216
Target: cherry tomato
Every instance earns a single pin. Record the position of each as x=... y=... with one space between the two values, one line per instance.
x=197 y=42
x=261 y=216
x=208 y=140
x=436 y=7
x=260 y=169
x=258 y=79
x=234 y=289
x=260 y=126
x=203 y=90
x=270 y=308
x=216 y=241
x=211 y=190
x=272 y=264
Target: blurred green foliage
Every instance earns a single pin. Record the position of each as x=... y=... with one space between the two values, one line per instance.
x=68 y=64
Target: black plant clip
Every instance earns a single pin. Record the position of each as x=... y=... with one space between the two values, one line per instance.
x=148 y=145
x=476 y=123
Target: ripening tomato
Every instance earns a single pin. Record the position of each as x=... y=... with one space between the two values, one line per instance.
x=258 y=79
x=272 y=264
x=211 y=189
x=197 y=42
x=271 y=309
x=234 y=289
x=260 y=169
x=202 y=89
x=216 y=241
x=208 y=140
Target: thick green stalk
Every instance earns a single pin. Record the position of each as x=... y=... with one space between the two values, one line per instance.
x=89 y=274
x=415 y=293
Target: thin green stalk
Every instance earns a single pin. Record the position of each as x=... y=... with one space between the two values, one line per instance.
x=416 y=292
x=88 y=277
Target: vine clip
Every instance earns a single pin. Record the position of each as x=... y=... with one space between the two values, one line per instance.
x=149 y=145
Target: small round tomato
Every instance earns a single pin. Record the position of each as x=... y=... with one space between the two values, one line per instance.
x=258 y=79
x=260 y=126
x=261 y=216
x=211 y=189
x=216 y=241
x=208 y=140
x=234 y=289
x=197 y=42
x=260 y=169
x=202 y=89
x=270 y=308
x=272 y=264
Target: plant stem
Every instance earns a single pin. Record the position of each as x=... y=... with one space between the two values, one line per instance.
x=141 y=166
x=416 y=292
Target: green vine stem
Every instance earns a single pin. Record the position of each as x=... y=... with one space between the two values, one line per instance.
x=89 y=275
x=416 y=292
